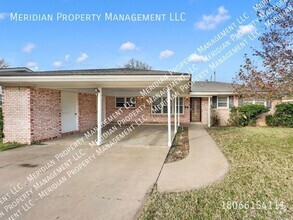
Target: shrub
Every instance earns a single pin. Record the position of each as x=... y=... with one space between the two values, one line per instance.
x=237 y=118
x=1 y=124
x=283 y=116
x=246 y=115
x=215 y=118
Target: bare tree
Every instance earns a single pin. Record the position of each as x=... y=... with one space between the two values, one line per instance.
x=274 y=79
x=136 y=64
x=3 y=64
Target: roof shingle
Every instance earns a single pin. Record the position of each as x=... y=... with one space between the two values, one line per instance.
x=209 y=86
x=116 y=71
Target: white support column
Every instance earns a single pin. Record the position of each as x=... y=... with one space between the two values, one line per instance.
x=179 y=111
x=175 y=115
x=209 y=112
x=169 y=118
x=99 y=117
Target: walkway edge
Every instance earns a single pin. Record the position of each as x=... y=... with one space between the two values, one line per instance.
x=204 y=165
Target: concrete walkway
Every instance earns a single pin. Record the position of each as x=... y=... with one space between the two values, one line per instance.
x=204 y=165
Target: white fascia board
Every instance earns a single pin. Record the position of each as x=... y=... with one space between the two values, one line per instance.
x=74 y=78
x=207 y=94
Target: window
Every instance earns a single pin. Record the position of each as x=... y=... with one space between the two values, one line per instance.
x=260 y=102
x=0 y=101
x=180 y=105
x=160 y=106
x=120 y=102
x=255 y=102
x=126 y=102
x=223 y=102
x=247 y=102
x=156 y=106
x=287 y=99
x=130 y=102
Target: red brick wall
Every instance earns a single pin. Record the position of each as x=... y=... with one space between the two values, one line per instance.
x=16 y=114
x=262 y=120
x=204 y=111
x=87 y=111
x=35 y=114
x=45 y=114
x=224 y=115
x=150 y=118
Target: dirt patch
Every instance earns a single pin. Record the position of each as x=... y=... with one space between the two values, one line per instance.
x=180 y=147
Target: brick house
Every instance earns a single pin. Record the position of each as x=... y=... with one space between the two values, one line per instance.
x=38 y=106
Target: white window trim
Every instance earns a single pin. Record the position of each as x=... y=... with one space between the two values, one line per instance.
x=172 y=107
x=265 y=102
x=287 y=100
x=227 y=107
x=254 y=102
x=125 y=98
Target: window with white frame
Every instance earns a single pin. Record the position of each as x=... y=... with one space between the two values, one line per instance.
x=0 y=100
x=287 y=99
x=260 y=102
x=223 y=102
x=180 y=105
x=160 y=106
x=254 y=102
x=157 y=106
x=127 y=102
x=247 y=102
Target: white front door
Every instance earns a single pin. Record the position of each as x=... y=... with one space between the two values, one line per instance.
x=69 y=117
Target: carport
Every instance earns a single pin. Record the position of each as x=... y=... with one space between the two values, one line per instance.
x=102 y=83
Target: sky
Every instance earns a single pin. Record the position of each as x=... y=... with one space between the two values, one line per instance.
x=165 y=45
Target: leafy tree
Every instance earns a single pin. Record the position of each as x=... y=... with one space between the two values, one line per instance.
x=136 y=64
x=3 y=64
x=274 y=79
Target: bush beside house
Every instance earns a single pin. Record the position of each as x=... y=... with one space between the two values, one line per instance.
x=283 y=116
x=246 y=115
x=215 y=118
x=1 y=124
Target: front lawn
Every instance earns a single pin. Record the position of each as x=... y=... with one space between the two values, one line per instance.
x=259 y=184
x=8 y=146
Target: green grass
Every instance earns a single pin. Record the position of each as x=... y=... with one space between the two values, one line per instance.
x=260 y=173
x=8 y=146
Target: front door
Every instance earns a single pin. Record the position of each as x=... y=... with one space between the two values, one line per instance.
x=68 y=112
x=195 y=109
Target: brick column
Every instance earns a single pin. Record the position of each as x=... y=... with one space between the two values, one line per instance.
x=17 y=114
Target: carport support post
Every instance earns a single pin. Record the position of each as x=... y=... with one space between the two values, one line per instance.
x=99 y=117
x=169 y=118
x=209 y=111
x=175 y=115
x=179 y=111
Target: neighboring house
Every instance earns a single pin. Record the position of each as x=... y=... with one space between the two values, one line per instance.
x=223 y=99
x=38 y=106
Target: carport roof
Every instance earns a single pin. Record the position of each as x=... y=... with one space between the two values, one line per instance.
x=93 y=78
x=86 y=72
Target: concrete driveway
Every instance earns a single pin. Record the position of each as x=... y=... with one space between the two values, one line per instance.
x=78 y=183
